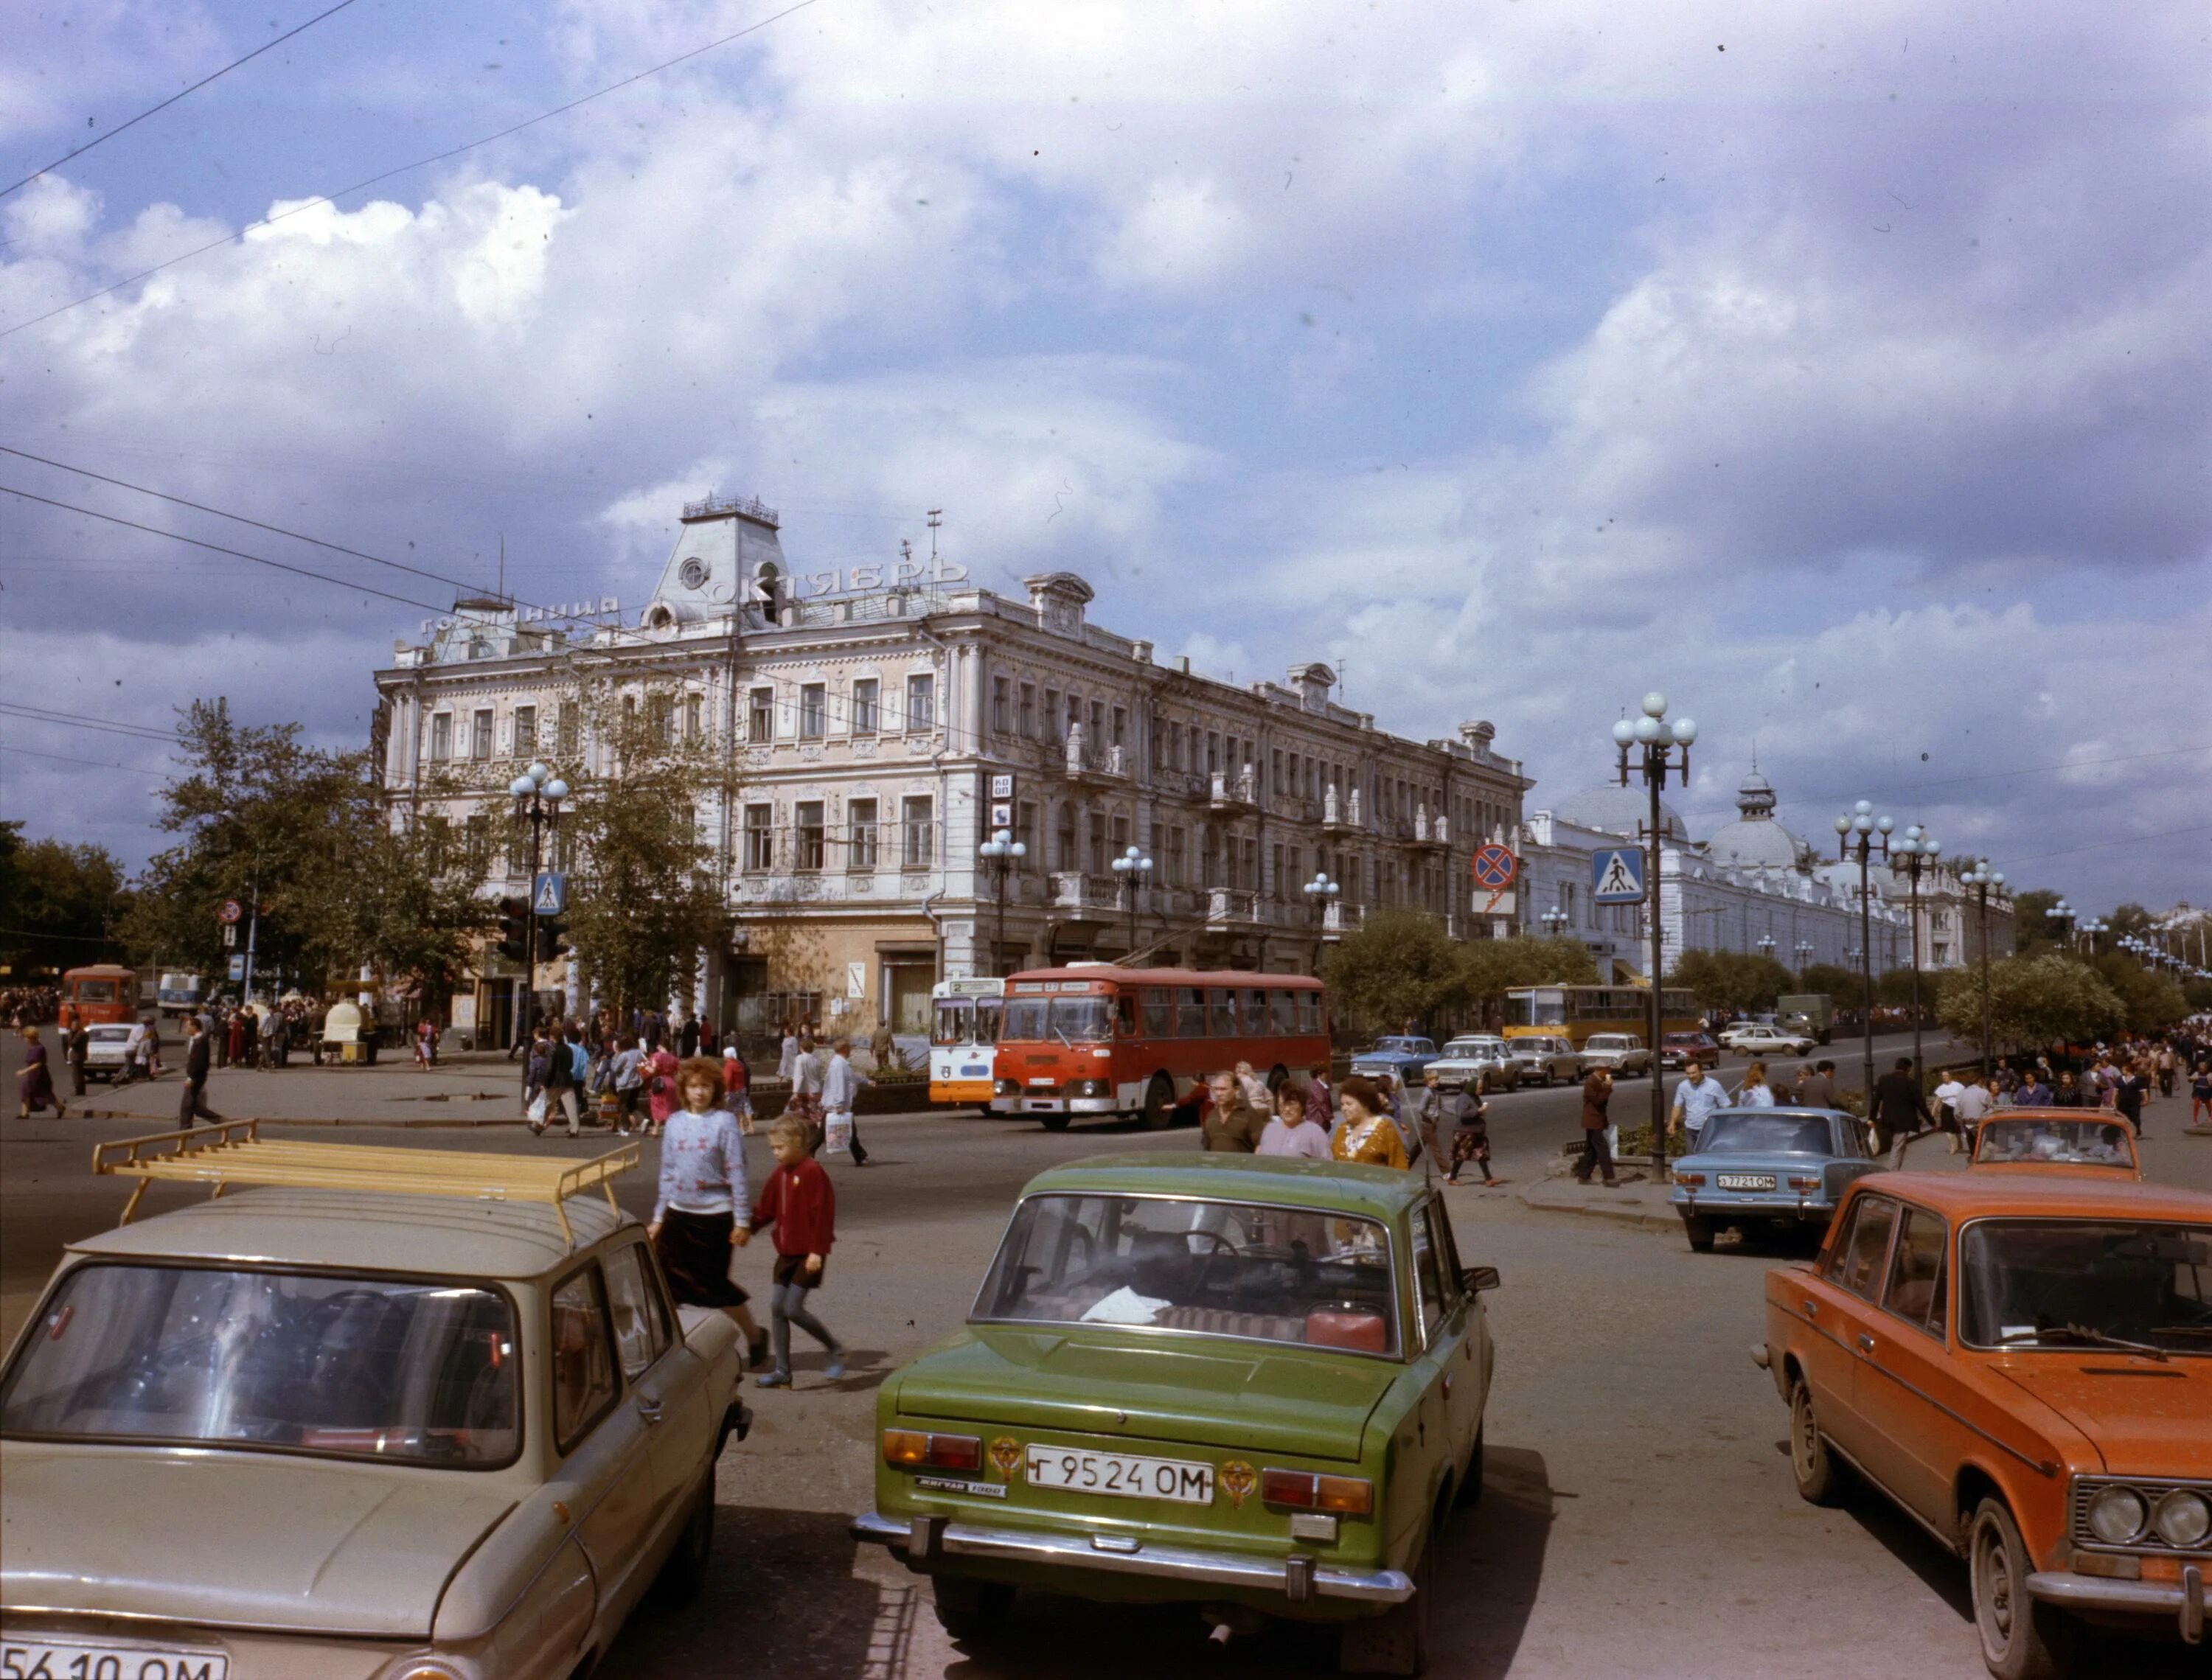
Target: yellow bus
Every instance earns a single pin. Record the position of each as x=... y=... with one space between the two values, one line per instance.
x=1576 y=1011
x=963 y=1036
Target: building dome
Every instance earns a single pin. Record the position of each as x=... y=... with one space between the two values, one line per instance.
x=1755 y=840
x=1619 y=810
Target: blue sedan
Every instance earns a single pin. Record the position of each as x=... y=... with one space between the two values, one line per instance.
x=1402 y=1058
x=1771 y=1169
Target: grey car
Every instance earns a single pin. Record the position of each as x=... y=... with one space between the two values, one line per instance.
x=1545 y=1060
x=1624 y=1053
x=1477 y=1056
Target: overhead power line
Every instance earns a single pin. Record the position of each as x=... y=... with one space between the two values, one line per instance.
x=153 y=110
x=63 y=758
x=39 y=714
x=2125 y=839
x=419 y=163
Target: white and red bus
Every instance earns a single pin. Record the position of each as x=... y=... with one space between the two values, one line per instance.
x=1102 y=1040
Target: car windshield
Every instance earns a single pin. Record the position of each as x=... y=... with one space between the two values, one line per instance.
x=1057 y=1020
x=1215 y=1268
x=1764 y=1132
x=1468 y=1047
x=2091 y=1143
x=2075 y=1282
x=366 y=1368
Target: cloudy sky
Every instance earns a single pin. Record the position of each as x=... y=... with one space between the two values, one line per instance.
x=1843 y=369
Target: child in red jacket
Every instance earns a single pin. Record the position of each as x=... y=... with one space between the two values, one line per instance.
x=801 y=1204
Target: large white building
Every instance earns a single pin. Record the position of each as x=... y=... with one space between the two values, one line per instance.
x=881 y=721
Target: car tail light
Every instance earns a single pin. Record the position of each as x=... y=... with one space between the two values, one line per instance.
x=1804 y=1184
x=1689 y=1177
x=912 y=1449
x=1299 y=1490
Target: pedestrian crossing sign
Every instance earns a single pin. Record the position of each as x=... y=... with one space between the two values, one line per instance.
x=551 y=896
x=1617 y=876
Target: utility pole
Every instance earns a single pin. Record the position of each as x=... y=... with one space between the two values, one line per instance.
x=1659 y=741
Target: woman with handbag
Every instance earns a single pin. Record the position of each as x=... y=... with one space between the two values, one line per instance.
x=661 y=1097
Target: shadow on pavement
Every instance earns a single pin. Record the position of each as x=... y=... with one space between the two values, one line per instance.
x=1942 y=1574
x=1493 y=1567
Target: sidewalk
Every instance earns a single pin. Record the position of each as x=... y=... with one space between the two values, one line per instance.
x=1637 y=1200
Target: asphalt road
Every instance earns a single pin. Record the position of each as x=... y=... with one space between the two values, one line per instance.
x=1639 y=1517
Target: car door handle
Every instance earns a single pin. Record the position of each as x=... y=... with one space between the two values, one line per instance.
x=648 y=1409
x=1812 y=1309
x=1866 y=1344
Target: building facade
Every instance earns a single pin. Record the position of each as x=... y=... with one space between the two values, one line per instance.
x=879 y=723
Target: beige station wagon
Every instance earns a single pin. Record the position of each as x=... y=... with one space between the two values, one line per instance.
x=447 y=1428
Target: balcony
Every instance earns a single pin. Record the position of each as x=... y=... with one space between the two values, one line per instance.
x=1340 y=815
x=1339 y=918
x=1072 y=890
x=1095 y=765
x=1429 y=833
x=1232 y=793
x=1231 y=906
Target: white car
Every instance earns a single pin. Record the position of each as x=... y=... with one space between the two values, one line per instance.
x=1771 y=1042
x=1545 y=1061
x=107 y=1050
x=1624 y=1053
x=1477 y=1056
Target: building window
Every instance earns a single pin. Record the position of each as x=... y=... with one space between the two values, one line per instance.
x=480 y=734
x=1177 y=865
x=1051 y=712
x=809 y=835
x=917 y=847
x=441 y=737
x=1063 y=858
x=695 y=716
x=921 y=701
x=1122 y=726
x=813 y=710
x=660 y=713
x=1002 y=705
x=1028 y=710
x=1212 y=751
x=1097 y=842
x=1121 y=836
x=760 y=837
x=760 y=716
x=866 y=706
x=1275 y=889
x=860 y=835
x=1026 y=831
x=526 y=731
x=1098 y=723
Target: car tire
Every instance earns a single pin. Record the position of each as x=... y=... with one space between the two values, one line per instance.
x=1468 y=1494
x=2021 y=1639
x=1818 y=1472
x=970 y=1612
x=1159 y=1110
x=1700 y=1231
x=1397 y=1641
x=685 y=1575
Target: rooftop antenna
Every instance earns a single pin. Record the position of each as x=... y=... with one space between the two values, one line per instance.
x=936 y=519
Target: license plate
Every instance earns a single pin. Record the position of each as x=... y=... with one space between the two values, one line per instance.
x=62 y=1659
x=1120 y=1474
x=1745 y=1180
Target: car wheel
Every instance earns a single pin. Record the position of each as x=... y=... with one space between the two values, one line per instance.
x=685 y=1572
x=2021 y=1640
x=1469 y=1492
x=971 y=1610
x=1397 y=1641
x=1819 y=1476
x=1700 y=1231
x=1159 y=1103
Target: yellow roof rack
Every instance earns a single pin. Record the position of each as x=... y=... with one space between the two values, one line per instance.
x=233 y=1152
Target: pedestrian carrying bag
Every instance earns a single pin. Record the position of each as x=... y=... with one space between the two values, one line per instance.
x=536 y=1110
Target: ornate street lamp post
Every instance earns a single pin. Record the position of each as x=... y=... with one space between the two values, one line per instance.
x=1131 y=869
x=1859 y=830
x=1321 y=892
x=1002 y=851
x=1917 y=853
x=538 y=796
x=2090 y=929
x=1659 y=748
x=1805 y=947
x=1981 y=878
x=1553 y=920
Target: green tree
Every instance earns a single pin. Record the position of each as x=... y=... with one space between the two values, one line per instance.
x=1731 y=979
x=2034 y=1003
x=1400 y=965
x=1843 y=988
x=58 y=904
x=1492 y=968
x=2151 y=999
x=2035 y=929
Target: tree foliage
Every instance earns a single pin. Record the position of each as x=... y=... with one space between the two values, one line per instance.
x=2034 y=1002
x=2151 y=999
x=59 y=903
x=1402 y=965
x=1732 y=979
x=2035 y=929
x=1843 y=988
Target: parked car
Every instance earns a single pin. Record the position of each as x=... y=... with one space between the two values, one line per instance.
x=1546 y=1060
x=1404 y=1058
x=107 y=1050
x=2055 y=1140
x=2024 y=1366
x=1772 y=1042
x=414 y=1437
x=1622 y=1052
x=1769 y=1170
x=1243 y=1381
x=1477 y=1057
x=1676 y=1049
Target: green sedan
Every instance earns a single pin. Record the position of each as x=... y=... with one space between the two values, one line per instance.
x=1250 y=1384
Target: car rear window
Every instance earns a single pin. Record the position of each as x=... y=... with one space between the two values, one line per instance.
x=352 y=1367
x=1764 y=1133
x=1266 y=1274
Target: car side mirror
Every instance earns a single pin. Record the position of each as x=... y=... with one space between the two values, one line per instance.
x=1476 y=1279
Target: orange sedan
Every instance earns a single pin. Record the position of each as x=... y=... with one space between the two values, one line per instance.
x=2024 y=1364
x=2055 y=1140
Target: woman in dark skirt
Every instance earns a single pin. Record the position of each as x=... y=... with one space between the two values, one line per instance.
x=703 y=1213
x=35 y=1085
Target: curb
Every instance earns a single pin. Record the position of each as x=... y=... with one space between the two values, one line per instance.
x=1620 y=1214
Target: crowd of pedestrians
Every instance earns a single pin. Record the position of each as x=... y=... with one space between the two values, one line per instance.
x=1366 y=1120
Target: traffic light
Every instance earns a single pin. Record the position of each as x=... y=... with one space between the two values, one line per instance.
x=552 y=937
x=514 y=929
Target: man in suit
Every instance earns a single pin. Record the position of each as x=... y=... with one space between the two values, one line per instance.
x=1899 y=1108
x=199 y=1052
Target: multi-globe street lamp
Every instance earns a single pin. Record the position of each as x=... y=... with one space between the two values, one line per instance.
x=1002 y=852
x=2090 y=929
x=1555 y=919
x=1804 y=948
x=1131 y=870
x=1765 y=944
x=537 y=795
x=1982 y=878
x=1661 y=749
x=1912 y=856
x=1321 y=892
x=1859 y=830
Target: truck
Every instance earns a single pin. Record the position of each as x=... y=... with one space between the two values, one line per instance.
x=1810 y=1012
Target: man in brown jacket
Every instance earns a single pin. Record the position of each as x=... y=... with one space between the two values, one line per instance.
x=1230 y=1123
x=1597 y=1153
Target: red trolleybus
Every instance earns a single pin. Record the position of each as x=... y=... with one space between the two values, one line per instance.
x=1103 y=1041
x=105 y=991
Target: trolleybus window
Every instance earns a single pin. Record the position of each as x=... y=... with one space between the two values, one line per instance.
x=1159 y=1012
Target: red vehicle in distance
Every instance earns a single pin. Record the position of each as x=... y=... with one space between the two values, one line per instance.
x=104 y=992
x=1102 y=1040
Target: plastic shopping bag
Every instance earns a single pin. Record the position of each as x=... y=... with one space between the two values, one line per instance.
x=837 y=1131
x=536 y=1110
